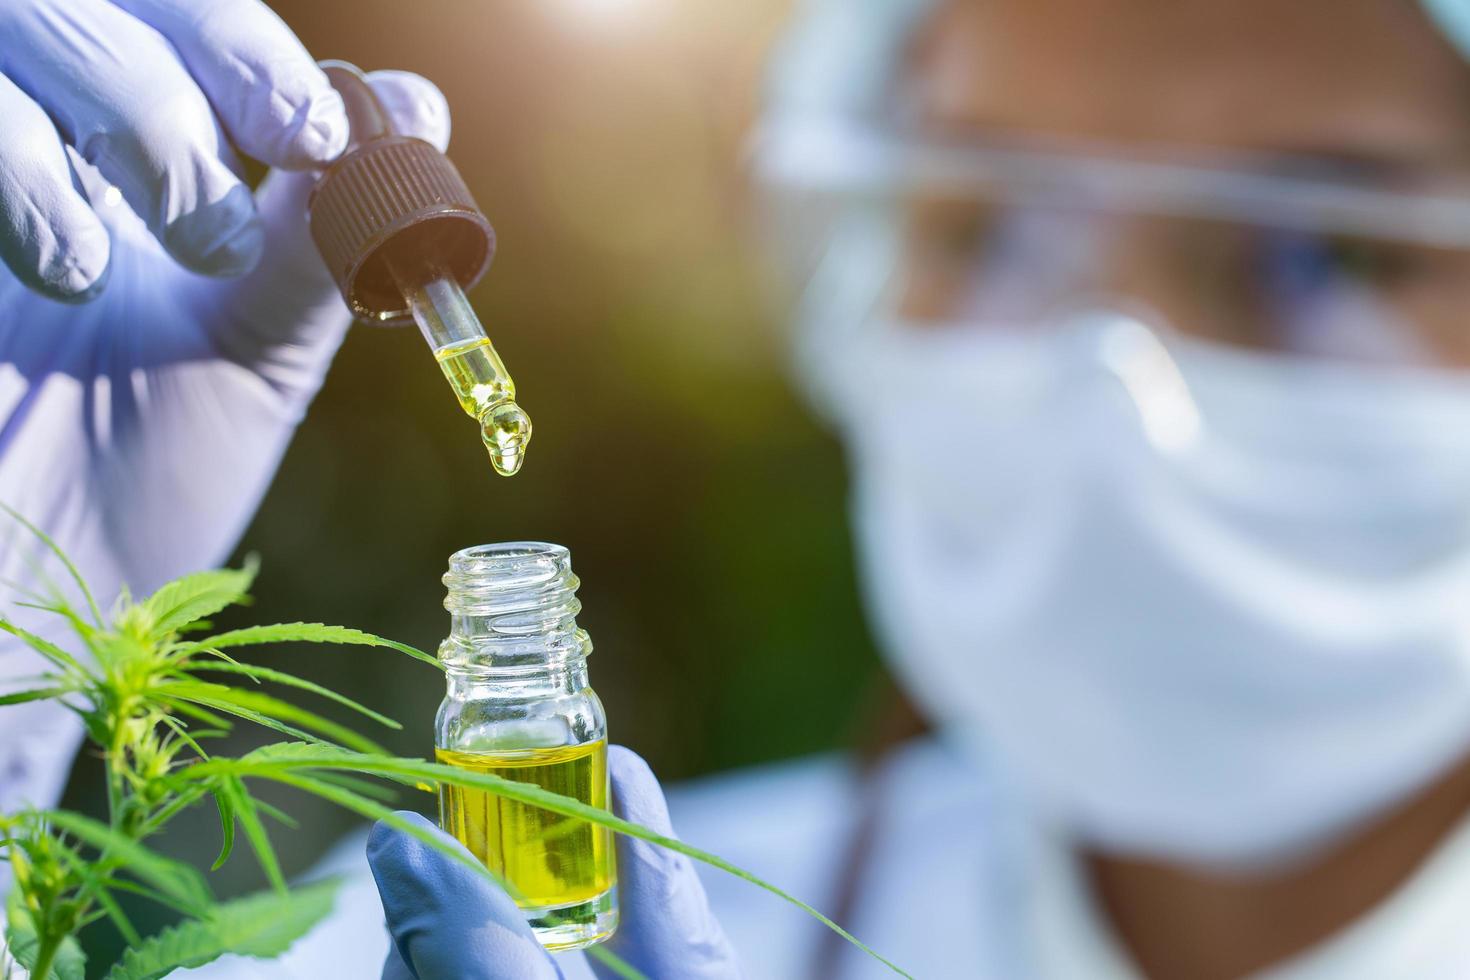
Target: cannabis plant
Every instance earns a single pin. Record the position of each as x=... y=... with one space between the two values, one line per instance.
x=153 y=686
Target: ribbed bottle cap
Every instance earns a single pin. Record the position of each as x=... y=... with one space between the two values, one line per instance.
x=393 y=190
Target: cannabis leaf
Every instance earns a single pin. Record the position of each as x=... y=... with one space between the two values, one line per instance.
x=191 y=598
x=290 y=763
x=174 y=879
x=303 y=633
x=150 y=694
x=258 y=925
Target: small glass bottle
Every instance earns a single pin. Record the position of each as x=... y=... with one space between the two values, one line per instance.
x=518 y=705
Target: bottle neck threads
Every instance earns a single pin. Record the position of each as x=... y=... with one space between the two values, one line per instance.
x=513 y=612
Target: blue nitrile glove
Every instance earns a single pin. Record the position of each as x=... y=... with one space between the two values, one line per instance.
x=449 y=923
x=146 y=91
x=141 y=428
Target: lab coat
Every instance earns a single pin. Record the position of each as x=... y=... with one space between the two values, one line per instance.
x=959 y=883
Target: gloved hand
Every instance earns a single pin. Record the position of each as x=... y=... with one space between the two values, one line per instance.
x=146 y=91
x=141 y=428
x=449 y=923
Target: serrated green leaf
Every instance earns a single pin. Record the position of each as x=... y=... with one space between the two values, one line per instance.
x=263 y=710
x=193 y=597
x=286 y=762
x=301 y=683
x=173 y=878
x=263 y=925
x=304 y=633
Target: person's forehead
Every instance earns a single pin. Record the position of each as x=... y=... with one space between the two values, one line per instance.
x=1368 y=79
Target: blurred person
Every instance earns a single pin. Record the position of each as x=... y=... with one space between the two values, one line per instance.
x=1143 y=325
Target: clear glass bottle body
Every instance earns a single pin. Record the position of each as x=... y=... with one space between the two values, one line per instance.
x=518 y=705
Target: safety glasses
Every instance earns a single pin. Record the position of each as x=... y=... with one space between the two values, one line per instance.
x=1305 y=194
x=1292 y=254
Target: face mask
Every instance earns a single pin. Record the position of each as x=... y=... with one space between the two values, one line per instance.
x=1206 y=604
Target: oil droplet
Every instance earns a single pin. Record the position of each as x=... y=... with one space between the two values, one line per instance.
x=506 y=429
x=506 y=464
x=487 y=394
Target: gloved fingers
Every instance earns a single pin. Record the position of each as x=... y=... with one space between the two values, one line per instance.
x=49 y=235
x=271 y=97
x=286 y=314
x=446 y=920
x=666 y=928
x=117 y=92
x=415 y=105
x=394 y=968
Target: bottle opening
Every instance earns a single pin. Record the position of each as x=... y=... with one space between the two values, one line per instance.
x=516 y=587
x=507 y=556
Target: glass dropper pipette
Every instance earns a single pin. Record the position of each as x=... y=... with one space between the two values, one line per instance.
x=404 y=238
x=467 y=358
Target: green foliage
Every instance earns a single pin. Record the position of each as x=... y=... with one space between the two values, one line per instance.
x=257 y=925
x=146 y=691
x=289 y=762
x=69 y=964
x=306 y=633
x=140 y=685
x=177 y=880
x=188 y=600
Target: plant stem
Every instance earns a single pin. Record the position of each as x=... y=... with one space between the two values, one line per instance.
x=114 y=796
x=116 y=759
x=45 y=956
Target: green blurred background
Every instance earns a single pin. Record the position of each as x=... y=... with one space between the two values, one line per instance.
x=704 y=509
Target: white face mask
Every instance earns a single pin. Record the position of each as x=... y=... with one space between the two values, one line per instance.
x=1206 y=604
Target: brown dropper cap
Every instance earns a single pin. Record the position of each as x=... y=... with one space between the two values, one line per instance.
x=389 y=189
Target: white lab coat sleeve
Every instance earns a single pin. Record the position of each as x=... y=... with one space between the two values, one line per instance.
x=788 y=823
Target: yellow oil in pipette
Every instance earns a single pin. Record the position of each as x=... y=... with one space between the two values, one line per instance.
x=487 y=394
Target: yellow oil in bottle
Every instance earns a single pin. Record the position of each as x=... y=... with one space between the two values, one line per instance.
x=488 y=395
x=560 y=870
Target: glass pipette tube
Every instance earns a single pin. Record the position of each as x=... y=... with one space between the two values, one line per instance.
x=467 y=358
